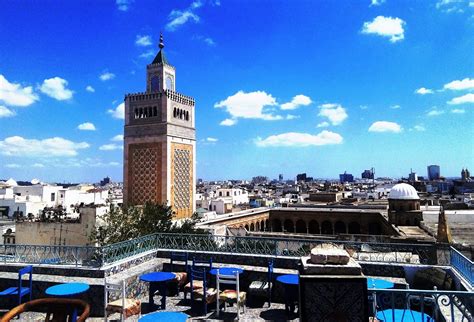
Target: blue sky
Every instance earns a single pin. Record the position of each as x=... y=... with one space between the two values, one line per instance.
x=280 y=86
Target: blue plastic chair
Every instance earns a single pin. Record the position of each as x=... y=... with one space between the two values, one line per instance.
x=263 y=288
x=20 y=290
x=203 y=292
x=206 y=265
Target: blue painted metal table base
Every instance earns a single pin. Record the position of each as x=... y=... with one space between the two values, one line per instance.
x=403 y=316
x=164 y=316
x=291 y=292
x=157 y=282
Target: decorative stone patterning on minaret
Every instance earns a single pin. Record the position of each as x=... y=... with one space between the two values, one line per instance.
x=159 y=142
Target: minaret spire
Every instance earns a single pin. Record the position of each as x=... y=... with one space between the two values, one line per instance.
x=161 y=44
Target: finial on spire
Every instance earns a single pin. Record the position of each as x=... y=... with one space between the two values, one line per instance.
x=161 y=45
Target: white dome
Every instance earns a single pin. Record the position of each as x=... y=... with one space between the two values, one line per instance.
x=11 y=183
x=403 y=191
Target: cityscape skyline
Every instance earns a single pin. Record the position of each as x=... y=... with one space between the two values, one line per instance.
x=325 y=94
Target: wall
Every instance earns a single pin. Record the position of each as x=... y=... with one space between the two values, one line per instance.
x=46 y=233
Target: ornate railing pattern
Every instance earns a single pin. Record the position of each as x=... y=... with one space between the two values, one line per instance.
x=463 y=265
x=373 y=252
x=53 y=255
x=448 y=306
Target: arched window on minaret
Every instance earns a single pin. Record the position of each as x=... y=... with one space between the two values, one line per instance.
x=155 y=111
x=187 y=116
x=141 y=113
x=136 y=113
x=174 y=112
x=155 y=84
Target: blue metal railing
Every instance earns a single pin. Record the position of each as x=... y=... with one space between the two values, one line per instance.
x=463 y=265
x=453 y=306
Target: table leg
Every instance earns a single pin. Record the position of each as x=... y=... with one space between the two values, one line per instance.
x=151 y=302
x=163 y=295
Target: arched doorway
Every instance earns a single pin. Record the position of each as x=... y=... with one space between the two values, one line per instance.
x=354 y=228
x=276 y=225
x=375 y=229
x=257 y=226
x=326 y=228
x=247 y=227
x=252 y=227
x=289 y=227
x=313 y=227
x=340 y=227
x=301 y=227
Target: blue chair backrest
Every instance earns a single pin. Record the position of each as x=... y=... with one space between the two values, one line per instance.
x=183 y=257
x=199 y=274
x=203 y=263
x=270 y=270
x=23 y=271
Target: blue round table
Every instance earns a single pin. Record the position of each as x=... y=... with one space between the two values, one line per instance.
x=67 y=289
x=403 y=316
x=227 y=271
x=379 y=283
x=165 y=316
x=157 y=281
x=291 y=281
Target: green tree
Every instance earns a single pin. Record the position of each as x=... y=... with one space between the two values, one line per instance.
x=121 y=224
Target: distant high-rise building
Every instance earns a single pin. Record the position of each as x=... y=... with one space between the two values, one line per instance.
x=259 y=180
x=412 y=176
x=105 y=181
x=301 y=177
x=433 y=172
x=367 y=174
x=346 y=177
x=280 y=177
x=465 y=175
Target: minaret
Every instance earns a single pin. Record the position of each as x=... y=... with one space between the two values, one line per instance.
x=444 y=233
x=160 y=142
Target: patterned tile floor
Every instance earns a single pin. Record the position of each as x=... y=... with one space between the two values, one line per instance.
x=276 y=312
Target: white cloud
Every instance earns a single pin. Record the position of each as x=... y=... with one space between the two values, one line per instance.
x=435 y=112
x=209 y=139
x=457 y=85
x=12 y=94
x=105 y=76
x=228 y=122
x=117 y=138
x=363 y=107
x=292 y=117
x=118 y=112
x=38 y=165
x=52 y=147
x=123 y=5
x=178 y=18
x=335 y=113
x=468 y=98
x=419 y=128
x=111 y=147
x=209 y=41
x=56 y=88
x=294 y=139
x=395 y=107
x=143 y=40
x=87 y=126
x=297 y=101
x=424 y=91
x=248 y=105
x=323 y=124
x=376 y=2
x=90 y=89
x=12 y=166
x=385 y=27
x=5 y=112
x=148 y=54
x=458 y=111
x=385 y=126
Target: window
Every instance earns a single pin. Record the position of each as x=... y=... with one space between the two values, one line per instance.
x=53 y=196
x=155 y=111
x=155 y=84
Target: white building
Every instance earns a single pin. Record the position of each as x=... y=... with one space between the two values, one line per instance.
x=237 y=195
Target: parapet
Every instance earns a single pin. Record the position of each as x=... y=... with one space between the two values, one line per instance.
x=144 y=96
x=179 y=98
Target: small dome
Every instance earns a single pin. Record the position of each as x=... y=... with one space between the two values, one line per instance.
x=403 y=191
x=11 y=183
